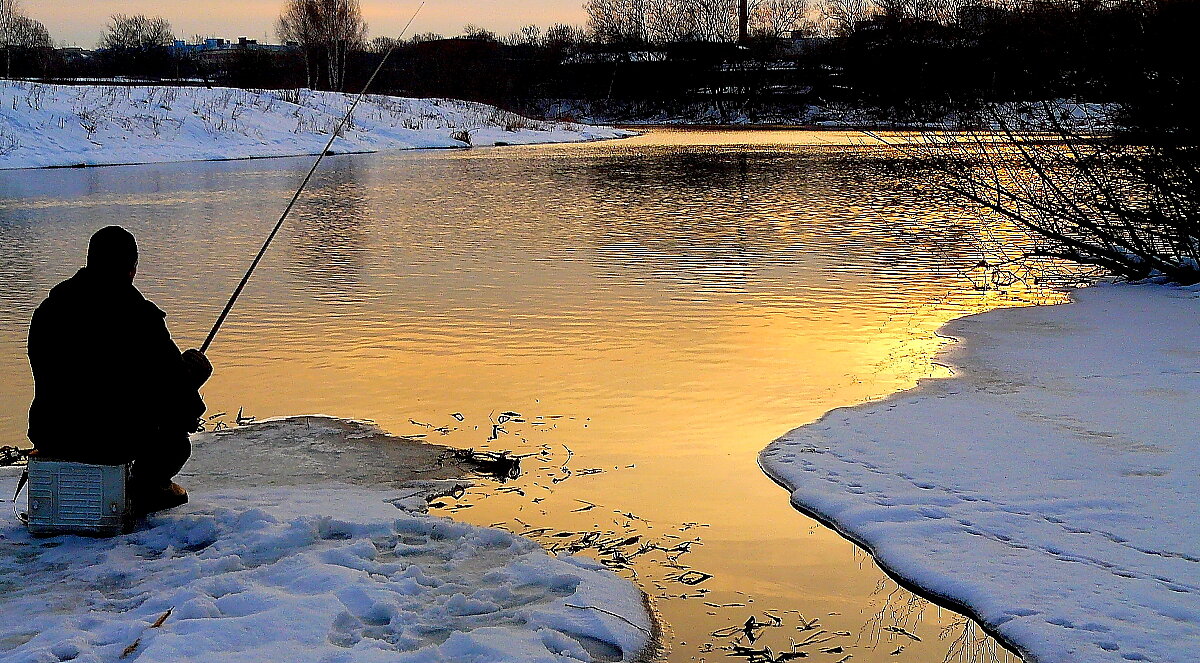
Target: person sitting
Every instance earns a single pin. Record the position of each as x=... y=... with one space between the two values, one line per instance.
x=110 y=385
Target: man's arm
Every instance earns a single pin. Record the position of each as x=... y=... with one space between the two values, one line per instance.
x=175 y=376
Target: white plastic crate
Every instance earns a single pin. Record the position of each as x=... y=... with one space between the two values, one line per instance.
x=77 y=498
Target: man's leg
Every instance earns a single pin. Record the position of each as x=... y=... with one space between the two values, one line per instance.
x=153 y=468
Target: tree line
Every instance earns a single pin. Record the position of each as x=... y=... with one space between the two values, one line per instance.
x=913 y=60
x=901 y=59
x=22 y=38
x=675 y=21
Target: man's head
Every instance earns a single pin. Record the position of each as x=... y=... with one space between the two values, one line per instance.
x=113 y=252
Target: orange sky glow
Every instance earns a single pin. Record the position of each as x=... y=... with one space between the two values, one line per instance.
x=79 y=22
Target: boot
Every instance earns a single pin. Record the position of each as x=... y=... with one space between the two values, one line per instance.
x=159 y=498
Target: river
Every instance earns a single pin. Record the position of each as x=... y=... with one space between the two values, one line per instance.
x=641 y=317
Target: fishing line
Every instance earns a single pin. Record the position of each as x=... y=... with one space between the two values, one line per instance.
x=291 y=203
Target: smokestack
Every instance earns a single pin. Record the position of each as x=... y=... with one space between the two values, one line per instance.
x=743 y=21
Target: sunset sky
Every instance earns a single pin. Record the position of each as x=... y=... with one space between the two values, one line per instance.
x=79 y=22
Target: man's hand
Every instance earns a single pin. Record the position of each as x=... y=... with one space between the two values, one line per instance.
x=197 y=366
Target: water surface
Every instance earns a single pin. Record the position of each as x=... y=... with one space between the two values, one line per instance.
x=641 y=317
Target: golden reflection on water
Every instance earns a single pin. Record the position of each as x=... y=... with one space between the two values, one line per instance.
x=657 y=309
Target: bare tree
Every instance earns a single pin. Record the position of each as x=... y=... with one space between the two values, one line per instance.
x=382 y=44
x=698 y=20
x=423 y=37
x=138 y=45
x=715 y=20
x=529 y=35
x=776 y=18
x=693 y=20
x=136 y=32
x=673 y=21
x=670 y=21
x=1085 y=193
x=942 y=11
x=472 y=31
x=19 y=32
x=842 y=16
x=327 y=31
x=562 y=37
x=25 y=32
x=616 y=21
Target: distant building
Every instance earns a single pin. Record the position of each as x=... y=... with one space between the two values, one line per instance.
x=645 y=55
x=74 y=53
x=800 y=42
x=874 y=23
x=217 y=50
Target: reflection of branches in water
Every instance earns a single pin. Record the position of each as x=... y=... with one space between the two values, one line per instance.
x=986 y=258
x=871 y=213
x=716 y=238
x=984 y=173
x=900 y=615
x=898 y=622
x=917 y=321
x=970 y=644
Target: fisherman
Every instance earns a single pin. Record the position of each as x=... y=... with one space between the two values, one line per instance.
x=102 y=357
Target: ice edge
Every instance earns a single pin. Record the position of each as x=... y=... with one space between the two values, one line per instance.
x=946 y=357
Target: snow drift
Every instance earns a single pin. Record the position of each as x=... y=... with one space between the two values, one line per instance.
x=59 y=125
x=308 y=573
x=1050 y=487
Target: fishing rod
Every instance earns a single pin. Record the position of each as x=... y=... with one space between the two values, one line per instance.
x=291 y=203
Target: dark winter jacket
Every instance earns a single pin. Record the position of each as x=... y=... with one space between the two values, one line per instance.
x=109 y=381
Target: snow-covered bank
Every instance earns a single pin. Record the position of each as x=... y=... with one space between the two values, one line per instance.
x=57 y=125
x=1050 y=486
x=314 y=573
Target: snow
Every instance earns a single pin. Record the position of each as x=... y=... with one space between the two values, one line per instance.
x=67 y=125
x=319 y=572
x=1049 y=487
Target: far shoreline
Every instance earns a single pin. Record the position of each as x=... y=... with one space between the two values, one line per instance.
x=661 y=126
x=332 y=153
